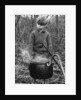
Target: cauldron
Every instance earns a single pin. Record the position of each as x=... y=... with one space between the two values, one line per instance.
x=40 y=70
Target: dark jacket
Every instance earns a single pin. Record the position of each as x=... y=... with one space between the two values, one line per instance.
x=40 y=36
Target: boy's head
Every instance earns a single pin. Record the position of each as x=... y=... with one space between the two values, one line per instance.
x=41 y=22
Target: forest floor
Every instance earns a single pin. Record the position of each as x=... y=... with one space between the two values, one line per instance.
x=22 y=75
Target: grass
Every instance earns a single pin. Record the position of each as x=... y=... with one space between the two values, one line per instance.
x=22 y=75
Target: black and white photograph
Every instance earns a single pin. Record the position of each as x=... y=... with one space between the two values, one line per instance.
x=40 y=49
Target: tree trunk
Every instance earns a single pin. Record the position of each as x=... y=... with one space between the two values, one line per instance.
x=56 y=24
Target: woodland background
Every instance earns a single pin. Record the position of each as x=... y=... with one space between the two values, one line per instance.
x=24 y=25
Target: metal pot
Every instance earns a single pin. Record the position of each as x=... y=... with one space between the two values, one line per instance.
x=40 y=70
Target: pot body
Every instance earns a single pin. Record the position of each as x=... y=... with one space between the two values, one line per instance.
x=40 y=70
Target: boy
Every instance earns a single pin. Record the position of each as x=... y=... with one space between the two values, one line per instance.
x=40 y=35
